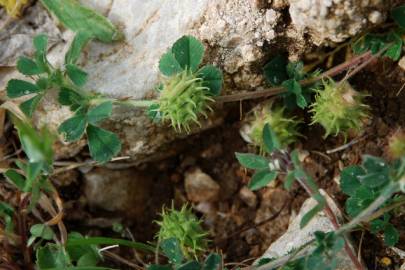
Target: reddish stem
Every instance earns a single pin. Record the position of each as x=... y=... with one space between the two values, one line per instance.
x=363 y=58
x=331 y=216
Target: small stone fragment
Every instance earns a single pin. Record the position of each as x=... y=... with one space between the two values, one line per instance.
x=296 y=237
x=401 y=63
x=248 y=196
x=200 y=187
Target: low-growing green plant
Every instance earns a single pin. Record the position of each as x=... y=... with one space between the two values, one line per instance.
x=184 y=94
x=370 y=188
x=339 y=108
x=184 y=226
x=186 y=90
x=171 y=248
x=279 y=71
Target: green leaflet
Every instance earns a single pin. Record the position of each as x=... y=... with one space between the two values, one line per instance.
x=103 y=144
x=261 y=179
x=252 y=161
x=79 y=18
x=212 y=78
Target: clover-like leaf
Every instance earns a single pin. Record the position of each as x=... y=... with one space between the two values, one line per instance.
x=398 y=14
x=271 y=142
x=349 y=181
x=68 y=97
x=77 y=75
x=73 y=128
x=168 y=64
x=29 y=106
x=27 y=66
x=212 y=262
x=261 y=179
x=294 y=87
x=171 y=248
x=212 y=78
x=252 y=161
x=100 y=112
x=103 y=144
x=79 y=18
x=17 y=88
x=79 y=42
x=188 y=52
x=275 y=71
x=52 y=256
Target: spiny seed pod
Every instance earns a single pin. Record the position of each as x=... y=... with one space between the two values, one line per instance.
x=182 y=99
x=284 y=127
x=186 y=228
x=396 y=145
x=339 y=108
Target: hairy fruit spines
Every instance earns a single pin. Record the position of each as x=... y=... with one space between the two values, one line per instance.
x=186 y=228
x=183 y=97
x=339 y=108
x=285 y=127
x=396 y=145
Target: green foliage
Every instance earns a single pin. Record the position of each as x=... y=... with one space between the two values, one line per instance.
x=56 y=256
x=79 y=18
x=338 y=108
x=283 y=127
x=391 y=42
x=7 y=214
x=288 y=74
x=37 y=145
x=364 y=183
x=391 y=234
x=172 y=250
x=183 y=226
x=398 y=14
x=186 y=91
x=281 y=161
x=40 y=231
x=89 y=109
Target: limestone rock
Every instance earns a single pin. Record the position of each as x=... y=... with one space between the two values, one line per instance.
x=295 y=237
x=336 y=20
x=16 y=35
x=200 y=187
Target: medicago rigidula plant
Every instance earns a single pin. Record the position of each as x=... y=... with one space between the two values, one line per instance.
x=185 y=93
x=187 y=90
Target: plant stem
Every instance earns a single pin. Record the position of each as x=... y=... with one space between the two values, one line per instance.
x=369 y=211
x=129 y=102
x=279 y=89
x=332 y=217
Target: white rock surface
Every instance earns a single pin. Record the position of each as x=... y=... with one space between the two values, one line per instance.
x=234 y=32
x=16 y=35
x=336 y=20
x=295 y=237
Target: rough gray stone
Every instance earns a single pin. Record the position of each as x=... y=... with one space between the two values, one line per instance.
x=16 y=34
x=124 y=191
x=296 y=237
x=336 y=20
